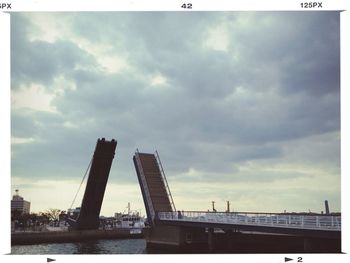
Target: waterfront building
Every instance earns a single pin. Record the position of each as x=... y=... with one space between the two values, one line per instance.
x=19 y=205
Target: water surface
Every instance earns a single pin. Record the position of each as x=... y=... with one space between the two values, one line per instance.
x=119 y=246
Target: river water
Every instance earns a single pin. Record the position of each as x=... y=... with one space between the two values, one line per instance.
x=115 y=246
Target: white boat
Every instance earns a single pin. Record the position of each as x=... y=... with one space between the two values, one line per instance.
x=131 y=219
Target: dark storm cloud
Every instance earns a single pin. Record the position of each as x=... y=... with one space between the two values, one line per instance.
x=22 y=124
x=56 y=153
x=303 y=49
x=215 y=112
x=40 y=61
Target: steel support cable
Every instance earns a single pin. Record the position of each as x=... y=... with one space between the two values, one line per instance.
x=81 y=183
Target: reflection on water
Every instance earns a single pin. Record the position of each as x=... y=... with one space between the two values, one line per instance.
x=124 y=246
x=90 y=247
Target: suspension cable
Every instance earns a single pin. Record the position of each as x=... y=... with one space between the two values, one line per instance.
x=81 y=183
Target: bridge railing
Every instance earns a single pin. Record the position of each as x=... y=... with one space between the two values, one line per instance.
x=322 y=222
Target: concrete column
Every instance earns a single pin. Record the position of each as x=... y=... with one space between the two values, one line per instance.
x=211 y=244
x=308 y=245
x=229 y=238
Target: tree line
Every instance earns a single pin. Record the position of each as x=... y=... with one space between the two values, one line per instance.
x=37 y=219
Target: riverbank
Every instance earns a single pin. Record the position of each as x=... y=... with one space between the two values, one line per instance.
x=29 y=238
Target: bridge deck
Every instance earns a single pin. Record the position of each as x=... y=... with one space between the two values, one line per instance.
x=312 y=225
x=152 y=184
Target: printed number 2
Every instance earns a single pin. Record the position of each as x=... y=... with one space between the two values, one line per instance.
x=300 y=259
x=187 y=6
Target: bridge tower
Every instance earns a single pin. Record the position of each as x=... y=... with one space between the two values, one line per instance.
x=99 y=171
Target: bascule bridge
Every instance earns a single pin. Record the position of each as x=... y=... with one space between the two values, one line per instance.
x=242 y=232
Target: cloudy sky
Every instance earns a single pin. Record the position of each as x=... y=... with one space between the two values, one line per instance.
x=241 y=106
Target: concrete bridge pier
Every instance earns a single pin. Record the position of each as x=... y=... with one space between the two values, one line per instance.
x=211 y=240
x=177 y=239
x=307 y=244
x=318 y=245
x=229 y=236
x=164 y=238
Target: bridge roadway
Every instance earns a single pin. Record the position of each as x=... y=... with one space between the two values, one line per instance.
x=320 y=226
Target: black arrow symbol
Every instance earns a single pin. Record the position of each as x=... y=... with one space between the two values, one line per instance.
x=287 y=259
x=50 y=260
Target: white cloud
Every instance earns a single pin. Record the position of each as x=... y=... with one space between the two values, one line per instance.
x=60 y=84
x=34 y=97
x=70 y=125
x=51 y=27
x=218 y=38
x=17 y=140
x=111 y=63
x=159 y=80
x=47 y=27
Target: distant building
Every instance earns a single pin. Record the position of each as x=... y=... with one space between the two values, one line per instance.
x=19 y=204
